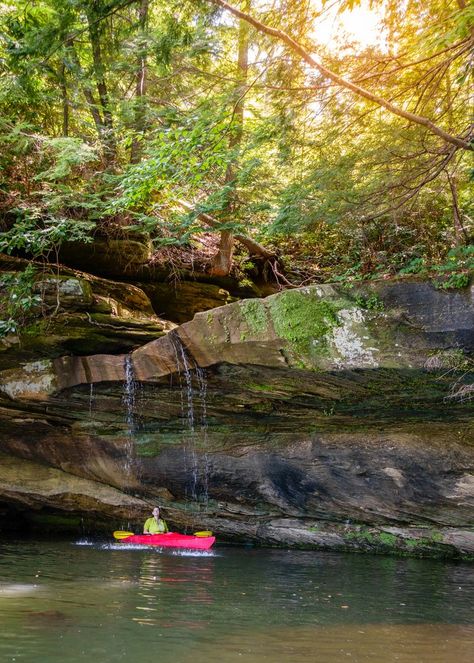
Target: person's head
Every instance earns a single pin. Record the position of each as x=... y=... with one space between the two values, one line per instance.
x=156 y=512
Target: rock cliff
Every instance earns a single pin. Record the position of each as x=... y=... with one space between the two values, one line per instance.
x=326 y=416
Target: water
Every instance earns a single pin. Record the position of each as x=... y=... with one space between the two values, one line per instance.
x=91 y=399
x=202 y=386
x=189 y=448
x=193 y=407
x=77 y=601
x=129 y=397
x=129 y=394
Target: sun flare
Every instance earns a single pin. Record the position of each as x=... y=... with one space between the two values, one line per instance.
x=354 y=29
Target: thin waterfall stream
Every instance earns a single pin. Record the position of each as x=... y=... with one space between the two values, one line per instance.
x=193 y=389
x=129 y=397
x=190 y=459
x=202 y=384
x=192 y=384
x=91 y=399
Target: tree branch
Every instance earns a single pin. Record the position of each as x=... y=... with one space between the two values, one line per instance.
x=458 y=142
x=413 y=191
x=253 y=247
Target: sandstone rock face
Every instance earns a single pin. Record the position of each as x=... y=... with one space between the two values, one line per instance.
x=181 y=300
x=112 y=257
x=81 y=314
x=177 y=293
x=34 y=485
x=318 y=417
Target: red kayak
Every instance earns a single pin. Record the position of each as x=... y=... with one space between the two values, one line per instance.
x=172 y=540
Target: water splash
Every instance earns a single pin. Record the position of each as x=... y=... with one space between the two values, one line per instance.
x=193 y=553
x=182 y=552
x=190 y=447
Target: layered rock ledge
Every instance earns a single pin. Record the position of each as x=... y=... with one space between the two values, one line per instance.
x=326 y=417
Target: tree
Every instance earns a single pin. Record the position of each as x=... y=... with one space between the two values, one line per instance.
x=463 y=142
x=168 y=117
x=223 y=261
x=141 y=84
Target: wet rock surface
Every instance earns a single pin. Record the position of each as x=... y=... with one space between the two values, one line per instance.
x=316 y=418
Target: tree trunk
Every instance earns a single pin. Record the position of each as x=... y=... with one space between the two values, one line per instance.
x=64 y=99
x=87 y=92
x=253 y=247
x=223 y=260
x=140 y=85
x=95 y=28
x=460 y=233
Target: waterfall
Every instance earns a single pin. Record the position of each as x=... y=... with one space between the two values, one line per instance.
x=189 y=386
x=91 y=399
x=129 y=396
x=202 y=383
x=194 y=413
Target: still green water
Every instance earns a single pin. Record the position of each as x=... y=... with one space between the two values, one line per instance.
x=101 y=602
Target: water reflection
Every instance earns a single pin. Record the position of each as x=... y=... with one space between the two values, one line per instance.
x=169 y=588
x=70 y=602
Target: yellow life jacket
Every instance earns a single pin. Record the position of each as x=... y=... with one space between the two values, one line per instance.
x=153 y=527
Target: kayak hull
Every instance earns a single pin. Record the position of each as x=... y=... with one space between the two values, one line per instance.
x=172 y=540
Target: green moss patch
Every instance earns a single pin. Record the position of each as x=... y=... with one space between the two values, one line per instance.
x=255 y=316
x=302 y=318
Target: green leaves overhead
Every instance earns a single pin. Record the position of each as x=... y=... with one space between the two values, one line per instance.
x=114 y=110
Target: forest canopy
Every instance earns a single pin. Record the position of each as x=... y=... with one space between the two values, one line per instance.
x=291 y=128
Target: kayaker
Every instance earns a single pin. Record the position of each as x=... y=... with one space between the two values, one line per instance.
x=155 y=524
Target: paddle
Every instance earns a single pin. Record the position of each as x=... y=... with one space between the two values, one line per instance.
x=119 y=534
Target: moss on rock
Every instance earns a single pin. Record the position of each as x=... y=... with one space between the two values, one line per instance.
x=255 y=316
x=303 y=320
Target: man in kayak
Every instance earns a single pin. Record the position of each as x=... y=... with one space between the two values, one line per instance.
x=155 y=524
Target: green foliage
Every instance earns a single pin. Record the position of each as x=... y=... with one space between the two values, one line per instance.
x=188 y=149
x=348 y=191
x=415 y=266
x=456 y=270
x=388 y=539
x=39 y=237
x=453 y=281
x=370 y=303
x=66 y=156
x=18 y=301
x=180 y=157
x=353 y=273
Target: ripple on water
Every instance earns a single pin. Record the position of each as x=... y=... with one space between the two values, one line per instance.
x=17 y=589
x=236 y=604
x=175 y=552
